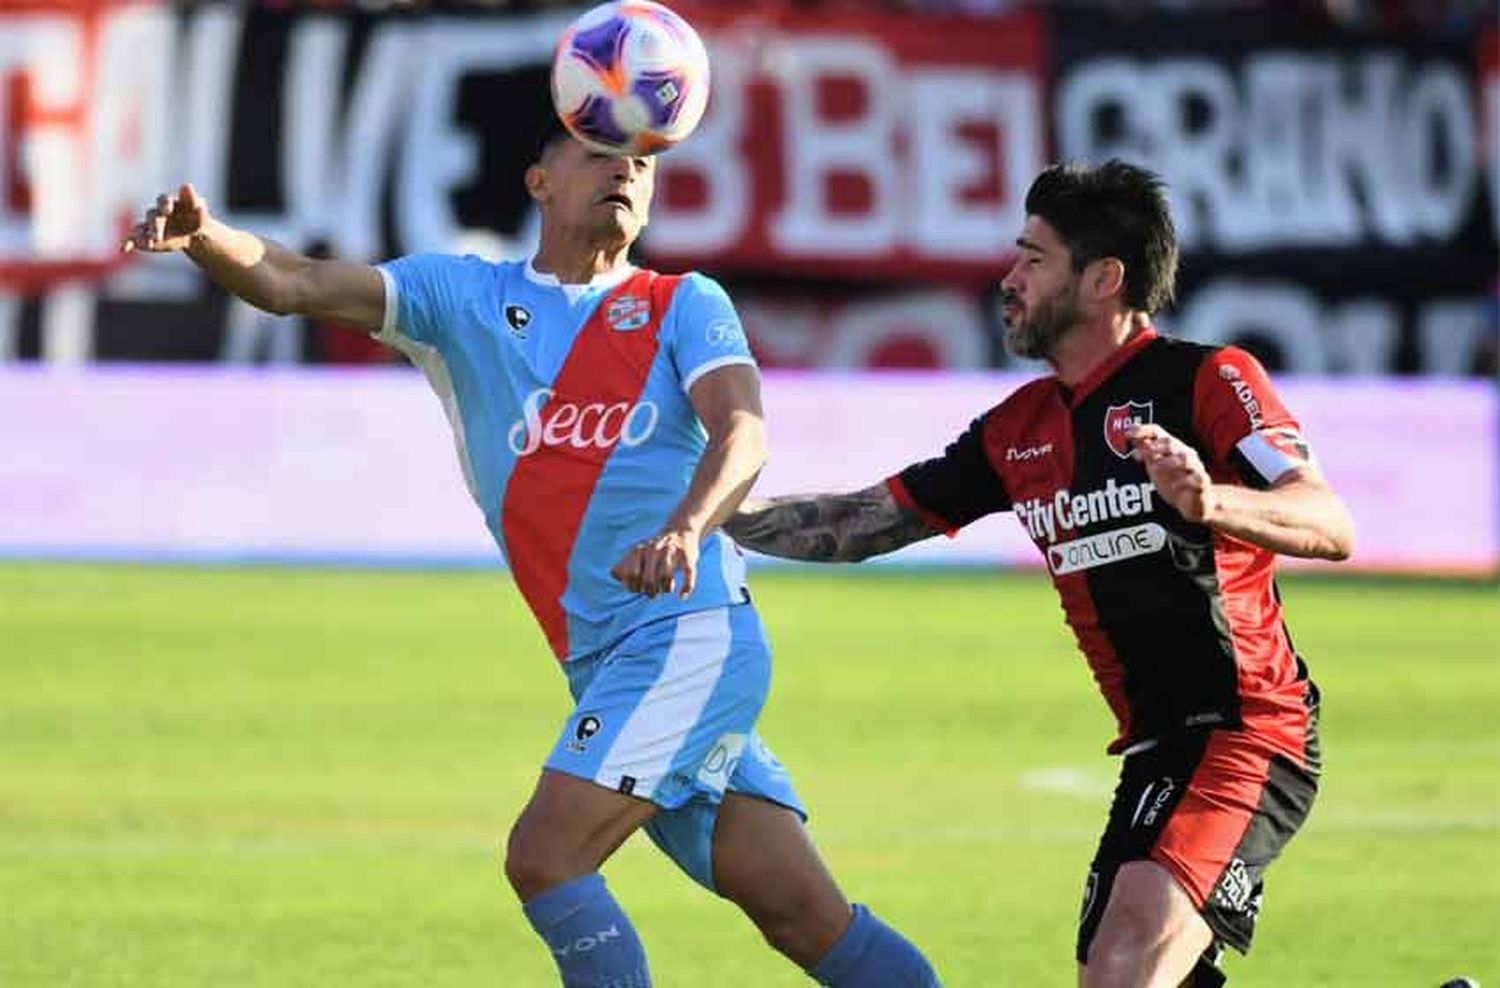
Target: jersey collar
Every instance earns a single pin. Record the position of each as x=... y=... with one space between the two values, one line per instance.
x=608 y=279
x=1074 y=396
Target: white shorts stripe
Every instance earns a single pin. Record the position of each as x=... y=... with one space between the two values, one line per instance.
x=659 y=726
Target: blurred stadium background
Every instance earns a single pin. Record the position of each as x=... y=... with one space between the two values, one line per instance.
x=264 y=723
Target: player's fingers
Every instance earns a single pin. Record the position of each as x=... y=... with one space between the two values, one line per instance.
x=680 y=563
x=189 y=196
x=628 y=570
x=663 y=571
x=689 y=578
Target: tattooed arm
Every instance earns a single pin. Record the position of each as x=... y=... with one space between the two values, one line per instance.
x=828 y=528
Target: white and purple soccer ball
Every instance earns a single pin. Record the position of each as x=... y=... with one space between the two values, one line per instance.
x=630 y=78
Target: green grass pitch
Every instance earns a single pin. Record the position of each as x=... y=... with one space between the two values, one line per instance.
x=278 y=777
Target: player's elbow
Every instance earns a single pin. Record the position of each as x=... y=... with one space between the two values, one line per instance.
x=1339 y=536
x=1341 y=545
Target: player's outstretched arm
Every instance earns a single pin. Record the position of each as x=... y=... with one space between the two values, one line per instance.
x=1299 y=515
x=828 y=528
x=261 y=272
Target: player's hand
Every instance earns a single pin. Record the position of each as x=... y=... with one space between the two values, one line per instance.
x=1176 y=470
x=651 y=566
x=170 y=224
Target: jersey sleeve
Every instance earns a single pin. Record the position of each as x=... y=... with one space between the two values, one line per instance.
x=1242 y=420
x=422 y=293
x=706 y=331
x=954 y=489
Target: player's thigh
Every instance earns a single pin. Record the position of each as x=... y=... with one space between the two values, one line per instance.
x=765 y=863
x=569 y=827
x=1149 y=913
x=688 y=834
x=1212 y=809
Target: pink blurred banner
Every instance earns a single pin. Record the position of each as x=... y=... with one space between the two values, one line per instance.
x=322 y=465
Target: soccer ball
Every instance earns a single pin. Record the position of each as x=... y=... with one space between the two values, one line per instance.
x=630 y=78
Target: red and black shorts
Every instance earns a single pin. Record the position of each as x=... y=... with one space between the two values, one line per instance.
x=1214 y=808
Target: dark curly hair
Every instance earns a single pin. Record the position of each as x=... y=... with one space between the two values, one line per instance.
x=1114 y=210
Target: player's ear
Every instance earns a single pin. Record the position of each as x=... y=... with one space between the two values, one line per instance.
x=1108 y=277
x=537 y=181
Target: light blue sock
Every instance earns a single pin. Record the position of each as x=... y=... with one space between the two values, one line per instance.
x=593 y=943
x=872 y=955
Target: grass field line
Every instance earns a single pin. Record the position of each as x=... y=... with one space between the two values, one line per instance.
x=166 y=846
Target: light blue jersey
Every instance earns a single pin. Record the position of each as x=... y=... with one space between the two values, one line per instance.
x=570 y=410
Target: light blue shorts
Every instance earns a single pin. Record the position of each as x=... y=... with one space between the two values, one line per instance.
x=668 y=714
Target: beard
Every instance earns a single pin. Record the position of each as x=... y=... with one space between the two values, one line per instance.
x=1034 y=335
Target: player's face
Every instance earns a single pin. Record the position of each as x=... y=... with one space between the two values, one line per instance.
x=1040 y=295
x=607 y=197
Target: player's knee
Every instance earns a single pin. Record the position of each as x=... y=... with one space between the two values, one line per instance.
x=800 y=925
x=532 y=864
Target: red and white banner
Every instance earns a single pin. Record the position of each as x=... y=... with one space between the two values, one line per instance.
x=882 y=148
x=82 y=100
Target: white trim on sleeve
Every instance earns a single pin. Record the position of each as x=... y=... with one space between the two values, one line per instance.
x=388 y=332
x=713 y=365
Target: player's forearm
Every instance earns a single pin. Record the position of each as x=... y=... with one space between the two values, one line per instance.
x=723 y=477
x=1306 y=521
x=828 y=528
x=257 y=270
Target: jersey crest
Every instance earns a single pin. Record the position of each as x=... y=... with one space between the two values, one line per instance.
x=627 y=313
x=1117 y=422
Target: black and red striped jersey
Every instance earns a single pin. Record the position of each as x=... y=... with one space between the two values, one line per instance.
x=1182 y=626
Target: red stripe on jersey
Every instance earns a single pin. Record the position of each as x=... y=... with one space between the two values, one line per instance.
x=550 y=488
x=1210 y=821
x=1232 y=398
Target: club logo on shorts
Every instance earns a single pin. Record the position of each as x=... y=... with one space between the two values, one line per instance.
x=588 y=725
x=518 y=318
x=1235 y=887
x=1119 y=418
x=628 y=312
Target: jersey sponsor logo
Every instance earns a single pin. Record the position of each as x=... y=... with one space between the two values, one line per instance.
x=568 y=423
x=725 y=333
x=517 y=318
x=1045 y=518
x=1244 y=393
x=1022 y=453
x=628 y=312
x=1119 y=418
x=1105 y=548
